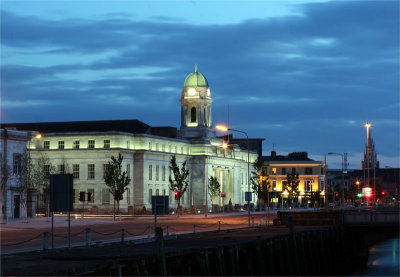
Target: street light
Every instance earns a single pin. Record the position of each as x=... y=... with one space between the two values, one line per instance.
x=342 y=174
x=38 y=136
x=226 y=129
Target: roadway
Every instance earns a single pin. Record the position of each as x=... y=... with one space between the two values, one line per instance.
x=18 y=236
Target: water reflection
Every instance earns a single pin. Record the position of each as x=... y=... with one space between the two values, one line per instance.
x=383 y=259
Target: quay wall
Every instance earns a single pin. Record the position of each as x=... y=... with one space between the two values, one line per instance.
x=330 y=251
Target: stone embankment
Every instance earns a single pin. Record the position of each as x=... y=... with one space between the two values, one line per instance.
x=259 y=251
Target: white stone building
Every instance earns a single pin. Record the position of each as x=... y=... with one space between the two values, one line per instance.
x=13 y=155
x=83 y=148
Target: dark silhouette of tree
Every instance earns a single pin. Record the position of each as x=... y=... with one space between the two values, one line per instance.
x=214 y=187
x=179 y=182
x=116 y=179
x=292 y=185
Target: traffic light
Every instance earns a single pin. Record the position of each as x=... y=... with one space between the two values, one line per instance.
x=336 y=196
x=176 y=195
x=82 y=196
x=383 y=193
x=89 y=196
x=359 y=195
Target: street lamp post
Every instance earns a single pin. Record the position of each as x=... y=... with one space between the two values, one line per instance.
x=226 y=129
x=342 y=174
x=37 y=136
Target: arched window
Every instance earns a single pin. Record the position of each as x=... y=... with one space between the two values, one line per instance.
x=193 y=114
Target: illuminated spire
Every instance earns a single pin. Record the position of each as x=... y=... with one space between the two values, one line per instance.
x=195 y=67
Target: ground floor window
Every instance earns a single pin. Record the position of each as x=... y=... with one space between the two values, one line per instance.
x=128 y=196
x=91 y=191
x=150 y=195
x=308 y=185
x=105 y=196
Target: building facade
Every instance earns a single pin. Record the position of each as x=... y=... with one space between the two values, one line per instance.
x=84 y=148
x=15 y=201
x=311 y=176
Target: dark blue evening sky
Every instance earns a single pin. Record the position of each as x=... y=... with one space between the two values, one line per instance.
x=304 y=75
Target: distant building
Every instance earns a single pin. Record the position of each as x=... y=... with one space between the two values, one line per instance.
x=255 y=144
x=311 y=175
x=370 y=160
x=13 y=157
x=84 y=148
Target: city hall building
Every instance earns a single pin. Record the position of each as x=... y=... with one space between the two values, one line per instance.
x=84 y=148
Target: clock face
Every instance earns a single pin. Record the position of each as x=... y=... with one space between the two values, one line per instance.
x=191 y=92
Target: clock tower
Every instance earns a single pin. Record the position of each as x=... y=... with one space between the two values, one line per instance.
x=196 y=107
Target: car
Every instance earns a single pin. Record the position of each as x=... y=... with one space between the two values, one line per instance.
x=332 y=205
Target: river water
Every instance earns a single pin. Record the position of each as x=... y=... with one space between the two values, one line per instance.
x=383 y=259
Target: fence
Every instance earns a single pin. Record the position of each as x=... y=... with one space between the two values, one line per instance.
x=125 y=234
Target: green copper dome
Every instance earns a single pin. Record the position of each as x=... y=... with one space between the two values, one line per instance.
x=196 y=79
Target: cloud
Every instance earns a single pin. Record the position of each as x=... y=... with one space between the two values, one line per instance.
x=310 y=81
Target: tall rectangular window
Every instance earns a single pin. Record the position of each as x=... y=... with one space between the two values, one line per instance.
x=91 y=191
x=308 y=185
x=75 y=144
x=106 y=143
x=283 y=171
x=91 y=143
x=293 y=170
x=157 y=192
x=91 y=171
x=284 y=185
x=17 y=163
x=264 y=171
x=105 y=196
x=150 y=172
x=163 y=173
x=104 y=170
x=322 y=171
x=128 y=196
x=150 y=145
x=128 y=170
x=321 y=185
x=75 y=171
x=273 y=185
x=46 y=144
x=163 y=147
x=308 y=171
x=60 y=144
x=156 y=146
x=274 y=171
x=169 y=148
x=128 y=144
x=181 y=149
x=150 y=195
x=157 y=172
x=46 y=169
x=61 y=169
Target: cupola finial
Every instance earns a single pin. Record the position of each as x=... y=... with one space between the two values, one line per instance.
x=195 y=67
